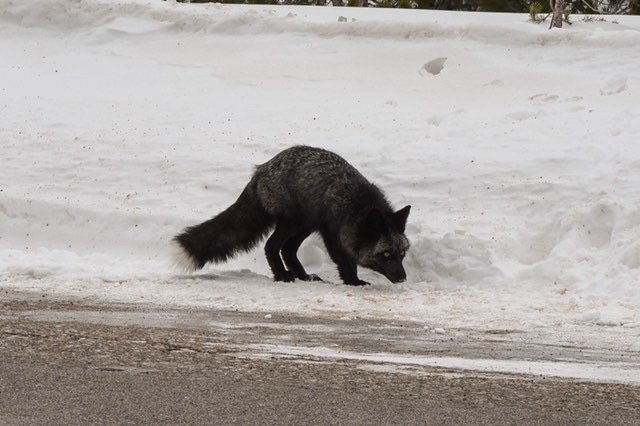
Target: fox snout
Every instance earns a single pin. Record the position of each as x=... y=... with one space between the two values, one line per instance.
x=398 y=277
x=400 y=280
x=394 y=272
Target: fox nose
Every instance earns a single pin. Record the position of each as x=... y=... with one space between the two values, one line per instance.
x=396 y=274
x=399 y=279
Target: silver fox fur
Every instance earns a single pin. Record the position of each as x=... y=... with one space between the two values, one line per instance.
x=300 y=191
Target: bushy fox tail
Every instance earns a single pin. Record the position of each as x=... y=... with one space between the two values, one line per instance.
x=239 y=228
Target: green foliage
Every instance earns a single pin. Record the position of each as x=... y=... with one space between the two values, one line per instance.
x=402 y=4
x=500 y=5
x=234 y=1
x=606 y=7
x=425 y=4
x=540 y=12
x=536 y=10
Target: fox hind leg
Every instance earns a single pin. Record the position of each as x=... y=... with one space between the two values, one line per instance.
x=289 y=255
x=272 y=248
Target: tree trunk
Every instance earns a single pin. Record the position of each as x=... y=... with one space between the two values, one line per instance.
x=558 y=13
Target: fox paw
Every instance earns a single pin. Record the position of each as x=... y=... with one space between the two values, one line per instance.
x=358 y=282
x=286 y=276
x=311 y=277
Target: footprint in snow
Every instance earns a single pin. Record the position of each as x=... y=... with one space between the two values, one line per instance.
x=543 y=98
x=614 y=86
x=433 y=67
x=495 y=83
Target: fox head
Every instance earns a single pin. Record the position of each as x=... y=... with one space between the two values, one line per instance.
x=383 y=244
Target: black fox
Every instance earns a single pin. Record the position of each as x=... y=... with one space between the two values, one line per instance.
x=300 y=191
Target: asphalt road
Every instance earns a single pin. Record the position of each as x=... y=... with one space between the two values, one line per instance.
x=70 y=363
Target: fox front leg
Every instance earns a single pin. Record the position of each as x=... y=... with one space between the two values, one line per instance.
x=347 y=267
x=349 y=274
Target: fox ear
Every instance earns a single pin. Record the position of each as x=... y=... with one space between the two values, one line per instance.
x=400 y=217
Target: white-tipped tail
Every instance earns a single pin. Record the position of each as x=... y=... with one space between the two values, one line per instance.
x=182 y=260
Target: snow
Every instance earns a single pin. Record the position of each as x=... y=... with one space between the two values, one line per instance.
x=617 y=372
x=122 y=122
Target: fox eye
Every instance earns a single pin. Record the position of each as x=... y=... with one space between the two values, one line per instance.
x=386 y=254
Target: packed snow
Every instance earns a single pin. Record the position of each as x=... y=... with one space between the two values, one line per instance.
x=619 y=372
x=122 y=122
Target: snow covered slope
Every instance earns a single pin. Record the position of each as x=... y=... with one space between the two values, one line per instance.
x=121 y=122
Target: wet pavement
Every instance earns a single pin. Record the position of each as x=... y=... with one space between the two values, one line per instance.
x=74 y=362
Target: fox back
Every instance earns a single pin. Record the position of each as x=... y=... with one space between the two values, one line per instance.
x=314 y=182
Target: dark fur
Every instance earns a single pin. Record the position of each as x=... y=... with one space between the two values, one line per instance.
x=239 y=228
x=300 y=191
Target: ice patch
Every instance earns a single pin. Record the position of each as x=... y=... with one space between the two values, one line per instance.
x=621 y=372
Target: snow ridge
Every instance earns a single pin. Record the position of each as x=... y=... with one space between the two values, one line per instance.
x=250 y=20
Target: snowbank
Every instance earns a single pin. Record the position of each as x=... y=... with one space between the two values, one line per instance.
x=122 y=122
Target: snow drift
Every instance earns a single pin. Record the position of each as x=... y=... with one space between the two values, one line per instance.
x=122 y=122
